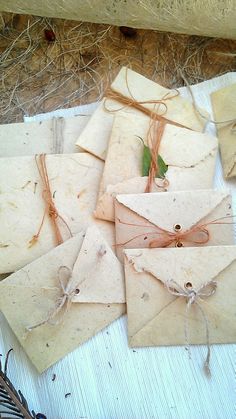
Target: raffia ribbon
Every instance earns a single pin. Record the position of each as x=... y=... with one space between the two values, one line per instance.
x=169 y=237
x=63 y=303
x=133 y=103
x=157 y=124
x=194 y=296
x=50 y=207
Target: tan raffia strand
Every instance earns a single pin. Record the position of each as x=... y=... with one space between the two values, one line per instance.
x=194 y=296
x=50 y=208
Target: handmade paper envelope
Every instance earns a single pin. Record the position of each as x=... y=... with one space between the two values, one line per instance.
x=156 y=317
x=95 y=136
x=56 y=135
x=191 y=218
x=190 y=157
x=224 y=107
x=27 y=296
x=74 y=181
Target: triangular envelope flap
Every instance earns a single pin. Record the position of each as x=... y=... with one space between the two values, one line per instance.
x=185 y=148
x=43 y=272
x=97 y=272
x=196 y=265
x=170 y=208
x=138 y=87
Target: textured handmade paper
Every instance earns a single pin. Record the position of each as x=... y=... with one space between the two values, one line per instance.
x=224 y=107
x=54 y=136
x=74 y=181
x=190 y=156
x=150 y=220
x=155 y=317
x=28 y=295
x=95 y=136
x=199 y=17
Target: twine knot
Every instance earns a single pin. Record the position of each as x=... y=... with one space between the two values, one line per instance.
x=63 y=303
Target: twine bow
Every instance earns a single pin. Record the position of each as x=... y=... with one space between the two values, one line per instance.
x=63 y=303
x=157 y=123
x=194 y=296
x=166 y=237
x=50 y=207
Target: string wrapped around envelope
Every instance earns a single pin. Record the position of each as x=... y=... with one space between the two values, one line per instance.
x=63 y=303
x=198 y=234
x=50 y=208
x=156 y=129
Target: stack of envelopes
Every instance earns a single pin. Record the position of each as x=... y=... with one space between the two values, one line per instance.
x=84 y=238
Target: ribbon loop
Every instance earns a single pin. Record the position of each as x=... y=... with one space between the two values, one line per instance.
x=193 y=296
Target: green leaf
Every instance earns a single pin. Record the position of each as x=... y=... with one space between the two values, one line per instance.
x=162 y=167
x=146 y=162
x=147 y=158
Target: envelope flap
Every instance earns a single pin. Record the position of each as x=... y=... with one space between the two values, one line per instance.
x=97 y=272
x=135 y=86
x=185 y=148
x=168 y=209
x=195 y=265
x=44 y=270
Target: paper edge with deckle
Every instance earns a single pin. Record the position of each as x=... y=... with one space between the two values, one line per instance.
x=223 y=102
x=173 y=219
x=52 y=326
x=168 y=277
x=129 y=87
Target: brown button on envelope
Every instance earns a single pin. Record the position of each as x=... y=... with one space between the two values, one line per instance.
x=224 y=107
x=188 y=155
x=133 y=86
x=64 y=298
x=178 y=296
x=191 y=218
x=43 y=201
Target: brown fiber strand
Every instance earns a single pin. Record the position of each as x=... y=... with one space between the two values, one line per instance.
x=169 y=237
x=50 y=208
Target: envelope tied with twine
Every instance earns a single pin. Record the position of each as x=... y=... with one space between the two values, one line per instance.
x=188 y=155
x=127 y=88
x=62 y=299
x=190 y=218
x=159 y=283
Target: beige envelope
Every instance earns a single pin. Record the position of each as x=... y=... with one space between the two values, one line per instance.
x=156 y=317
x=190 y=156
x=56 y=135
x=95 y=136
x=27 y=296
x=164 y=220
x=74 y=181
x=224 y=107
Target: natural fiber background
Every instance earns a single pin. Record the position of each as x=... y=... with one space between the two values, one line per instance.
x=39 y=75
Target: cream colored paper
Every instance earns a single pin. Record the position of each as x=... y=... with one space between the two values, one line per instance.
x=224 y=107
x=29 y=294
x=194 y=17
x=56 y=135
x=189 y=154
x=74 y=181
x=155 y=317
x=140 y=217
x=95 y=136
